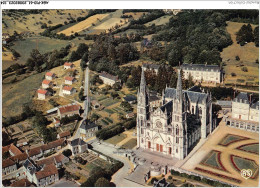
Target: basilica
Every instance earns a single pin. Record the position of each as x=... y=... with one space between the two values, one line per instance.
x=175 y=126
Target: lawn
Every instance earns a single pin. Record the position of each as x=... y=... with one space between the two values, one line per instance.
x=130 y=144
x=14 y=96
x=230 y=138
x=159 y=21
x=247 y=54
x=251 y=148
x=116 y=139
x=109 y=102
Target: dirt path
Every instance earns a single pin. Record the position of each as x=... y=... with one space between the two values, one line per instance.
x=129 y=136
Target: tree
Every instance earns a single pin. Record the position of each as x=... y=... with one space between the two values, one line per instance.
x=67 y=153
x=245 y=34
x=256 y=36
x=102 y=182
x=82 y=49
x=81 y=95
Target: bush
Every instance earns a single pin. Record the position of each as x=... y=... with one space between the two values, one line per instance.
x=244 y=69
x=153 y=180
x=170 y=178
x=233 y=74
x=237 y=58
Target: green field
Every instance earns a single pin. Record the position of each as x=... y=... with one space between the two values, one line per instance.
x=19 y=93
x=115 y=139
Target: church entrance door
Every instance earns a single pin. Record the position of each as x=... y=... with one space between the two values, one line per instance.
x=161 y=148
x=170 y=150
x=157 y=147
x=149 y=144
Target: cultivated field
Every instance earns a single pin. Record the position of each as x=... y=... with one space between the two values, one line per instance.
x=32 y=22
x=159 y=21
x=110 y=23
x=85 y=24
x=247 y=54
x=136 y=15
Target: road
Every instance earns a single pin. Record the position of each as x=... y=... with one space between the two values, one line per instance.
x=119 y=177
x=85 y=104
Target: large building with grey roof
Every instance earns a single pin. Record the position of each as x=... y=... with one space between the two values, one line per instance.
x=177 y=124
x=202 y=72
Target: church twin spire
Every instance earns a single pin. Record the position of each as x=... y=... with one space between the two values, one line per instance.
x=179 y=86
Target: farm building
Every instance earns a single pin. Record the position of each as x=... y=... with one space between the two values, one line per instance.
x=68 y=65
x=68 y=110
x=202 y=73
x=65 y=135
x=87 y=129
x=70 y=80
x=49 y=76
x=109 y=79
x=67 y=90
x=77 y=146
x=46 y=84
x=42 y=94
x=151 y=67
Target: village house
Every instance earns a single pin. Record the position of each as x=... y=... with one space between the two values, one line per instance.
x=58 y=160
x=42 y=94
x=70 y=80
x=40 y=176
x=154 y=67
x=68 y=65
x=19 y=159
x=109 y=79
x=202 y=72
x=8 y=166
x=35 y=153
x=68 y=110
x=67 y=90
x=49 y=76
x=77 y=146
x=12 y=149
x=87 y=129
x=53 y=146
x=65 y=135
x=46 y=84
x=5 y=38
x=56 y=122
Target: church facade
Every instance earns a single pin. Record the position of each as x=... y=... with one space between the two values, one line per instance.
x=181 y=120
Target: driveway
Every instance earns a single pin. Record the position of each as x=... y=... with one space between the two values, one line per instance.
x=119 y=177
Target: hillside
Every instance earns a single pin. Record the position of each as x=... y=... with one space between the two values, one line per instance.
x=247 y=54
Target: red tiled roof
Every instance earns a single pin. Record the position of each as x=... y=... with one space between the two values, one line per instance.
x=20 y=157
x=68 y=88
x=46 y=82
x=53 y=144
x=5 y=149
x=48 y=170
x=21 y=183
x=34 y=151
x=14 y=150
x=69 y=78
x=46 y=161
x=59 y=158
x=64 y=134
x=70 y=108
x=68 y=64
x=7 y=162
x=49 y=74
x=42 y=91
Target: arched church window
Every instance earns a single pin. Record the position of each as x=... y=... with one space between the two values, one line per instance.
x=192 y=110
x=142 y=141
x=177 y=130
x=177 y=140
x=200 y=111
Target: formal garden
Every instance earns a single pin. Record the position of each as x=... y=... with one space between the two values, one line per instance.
x=230 y=138
x=213 y=160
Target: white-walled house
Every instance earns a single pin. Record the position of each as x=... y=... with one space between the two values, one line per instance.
x=68 y=65
x=77 y=146
x=68 y=90
x=109 y=79
x=46 y=84
x=42 y=94
x=70 y=80
x=49 y=76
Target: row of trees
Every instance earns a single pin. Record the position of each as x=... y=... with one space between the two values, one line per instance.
x=247 y=34
x=109 y=132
